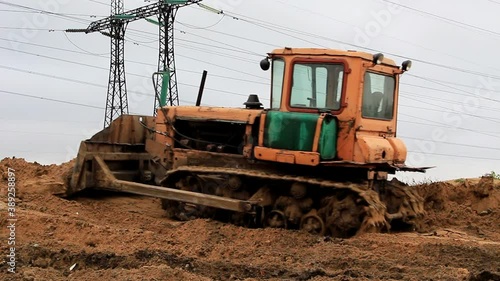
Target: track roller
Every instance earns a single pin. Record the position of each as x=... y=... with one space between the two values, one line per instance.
x=276 y=219
x=312 y=223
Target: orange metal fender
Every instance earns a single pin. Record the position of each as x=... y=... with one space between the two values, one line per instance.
x=377 y=149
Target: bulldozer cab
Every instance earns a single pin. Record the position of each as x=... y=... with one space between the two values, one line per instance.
x=317 y=80
x=330 y=105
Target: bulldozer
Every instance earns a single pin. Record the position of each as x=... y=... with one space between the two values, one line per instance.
x=317 y=158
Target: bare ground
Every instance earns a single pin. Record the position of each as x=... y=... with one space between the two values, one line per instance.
x=122 y=237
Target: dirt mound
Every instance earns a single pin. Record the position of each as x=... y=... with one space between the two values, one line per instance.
x=27 y=170
x=472 y=205
x=108 y=236
x=36 y=178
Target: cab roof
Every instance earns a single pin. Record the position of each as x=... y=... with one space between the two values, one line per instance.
x=329 y=52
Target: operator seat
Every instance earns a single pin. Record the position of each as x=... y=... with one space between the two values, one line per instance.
x=372 y=105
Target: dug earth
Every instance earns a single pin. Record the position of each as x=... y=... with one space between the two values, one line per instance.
x=108 y=236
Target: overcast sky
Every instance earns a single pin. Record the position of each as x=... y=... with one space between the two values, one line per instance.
x=449 y=111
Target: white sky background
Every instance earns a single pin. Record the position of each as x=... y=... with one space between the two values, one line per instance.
x=450 y=110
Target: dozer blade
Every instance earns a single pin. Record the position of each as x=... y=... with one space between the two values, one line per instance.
x=104 y=179
x=116 y=159
x=121 y=145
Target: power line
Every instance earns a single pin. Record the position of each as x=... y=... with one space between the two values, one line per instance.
x=214 y=75
x=438 y=125
x=60 y=15
x=186 y=70
x=101 y=86
x=76 y=46
x=130 y=61
x=469 y=72
x=448 y=20
x=218 y=90
x=424 y=87
x=234 y=36
x=97 y=107
x=403 y=94
x=446 y=125
x=448 y=86
x=456 y=156
x=26 y=28
x=275 y=27
x=496 y=120
x=235 y=48
x=452 y=143
x=272 y=26
x=98 y=2
x=435 y=89
x=402 y=83
x=284 y=2
x=39 y=133
x=446 y=82
x=50 y=99
x=138 y=75
x=40 y=12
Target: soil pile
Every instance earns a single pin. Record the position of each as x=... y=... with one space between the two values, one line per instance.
x=110 y=236
x=472 y=205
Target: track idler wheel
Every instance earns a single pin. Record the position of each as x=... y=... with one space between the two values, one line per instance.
x=404 y=205
x=276 y=219
x=312 y=223
x=343 y=216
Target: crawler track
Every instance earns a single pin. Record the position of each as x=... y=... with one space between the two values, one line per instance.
x=319 y=206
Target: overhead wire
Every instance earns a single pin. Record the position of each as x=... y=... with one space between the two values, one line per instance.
x=403 y=94
x=239 y=17
x=495 y=120
x=324 y=38
x=66 y=14
x=456 y=155
x=448 y=20
x=435 y=125
x=28 y=28
x=132 y=61
x=449 y=126
x=461 y=58
x=276 y=27
x=50 y=99
x=133 y=74
x=453 y=143
x=454 y=88
x=81 y=49
x=189 y=85
x=101 y=108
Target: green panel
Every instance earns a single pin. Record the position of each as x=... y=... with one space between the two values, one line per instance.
x=123 y=17
x=152 y=21
x=295 y=131
x=176 y=2
x=164 y=87
x=290 y=130
x=328 y=140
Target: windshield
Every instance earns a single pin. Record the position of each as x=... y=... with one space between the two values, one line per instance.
x=378 y=96
x=317 y=85
x=277 y=81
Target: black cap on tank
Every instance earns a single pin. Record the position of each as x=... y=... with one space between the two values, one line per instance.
x=253 y=102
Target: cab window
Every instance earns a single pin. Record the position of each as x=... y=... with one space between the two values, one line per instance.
x=317 y=85
x=378 y=96
x=277 y=83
